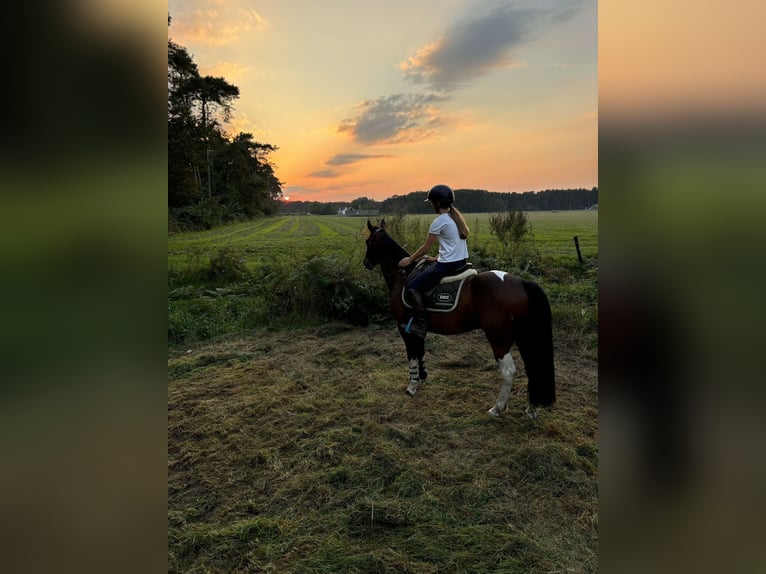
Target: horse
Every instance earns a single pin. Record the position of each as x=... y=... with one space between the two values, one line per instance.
x=508 y=309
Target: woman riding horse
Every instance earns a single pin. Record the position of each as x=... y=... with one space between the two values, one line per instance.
x=451 y=231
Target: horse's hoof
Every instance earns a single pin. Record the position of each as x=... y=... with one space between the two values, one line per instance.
x=531 y=413
x=410 y=392
x=493 y=411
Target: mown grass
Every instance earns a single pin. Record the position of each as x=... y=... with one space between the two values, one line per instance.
x=293 y=448
x=298 y=451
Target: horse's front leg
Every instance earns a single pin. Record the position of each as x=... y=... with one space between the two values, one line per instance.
x=417 y=369
x=420 y=352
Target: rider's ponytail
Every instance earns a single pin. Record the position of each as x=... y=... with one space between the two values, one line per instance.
x=457 y=217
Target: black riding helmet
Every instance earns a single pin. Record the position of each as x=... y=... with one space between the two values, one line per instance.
x=441 y=193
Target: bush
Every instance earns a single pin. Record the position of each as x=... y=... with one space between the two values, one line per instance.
x=514 y=232
x=323 y=287
x=227 y=266
x=510 y=227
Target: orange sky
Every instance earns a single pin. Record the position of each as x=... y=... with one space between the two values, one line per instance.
x=376 y=99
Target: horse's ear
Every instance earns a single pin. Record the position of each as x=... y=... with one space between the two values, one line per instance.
x=382 y=223
x=370 y=227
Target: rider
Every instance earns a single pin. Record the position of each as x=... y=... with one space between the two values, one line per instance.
x=451 y=231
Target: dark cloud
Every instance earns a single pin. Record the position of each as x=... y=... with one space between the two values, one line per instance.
x=394 y=119
x=343 y=159
x=468 y=50
x=325 y=173
x=347 y=158
x=473 y=47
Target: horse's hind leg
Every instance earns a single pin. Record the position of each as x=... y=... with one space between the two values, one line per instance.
x=508 y=372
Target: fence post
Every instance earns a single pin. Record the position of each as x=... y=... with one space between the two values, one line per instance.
x=577 y=246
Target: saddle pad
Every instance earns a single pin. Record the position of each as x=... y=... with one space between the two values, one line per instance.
x=444 y=297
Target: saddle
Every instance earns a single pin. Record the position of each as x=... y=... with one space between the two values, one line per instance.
x=444 y=297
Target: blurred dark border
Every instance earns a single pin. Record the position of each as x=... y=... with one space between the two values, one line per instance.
x=83 y=280
x=83 y=288
x=682 y=176
x=680 y=330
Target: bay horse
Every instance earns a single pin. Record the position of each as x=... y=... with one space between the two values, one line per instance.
x=508 y=309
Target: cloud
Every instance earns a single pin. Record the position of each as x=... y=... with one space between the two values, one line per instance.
x=473 y=47
x=343 y=159
x=469 y=49
x=215 y=23
x=348 y=158
x=325 y=173
x=394 y=119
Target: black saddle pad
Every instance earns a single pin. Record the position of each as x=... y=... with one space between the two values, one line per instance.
x=442 y=298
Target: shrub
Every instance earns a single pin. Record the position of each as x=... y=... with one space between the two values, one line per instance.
x=514 y=232
x=322 y=287
x=510 y=227
x=227 y=266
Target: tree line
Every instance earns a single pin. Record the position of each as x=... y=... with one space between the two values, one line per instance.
x=467 y=200
x=213 y=178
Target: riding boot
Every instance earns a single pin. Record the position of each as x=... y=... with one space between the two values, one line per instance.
x=417 y=324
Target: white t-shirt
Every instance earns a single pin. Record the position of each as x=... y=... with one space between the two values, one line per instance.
x=451 y=247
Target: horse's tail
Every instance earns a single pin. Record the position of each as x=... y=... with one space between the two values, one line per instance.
x=535 y=341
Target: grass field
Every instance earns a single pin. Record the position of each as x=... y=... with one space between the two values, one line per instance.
x=293 y=448
x=553 y=231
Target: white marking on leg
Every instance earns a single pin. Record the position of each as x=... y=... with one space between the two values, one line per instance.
x=412 y=388
x=508 y=371
x=500 y=274
x=531 y=412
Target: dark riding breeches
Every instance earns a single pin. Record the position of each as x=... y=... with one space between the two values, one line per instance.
x=430 y=278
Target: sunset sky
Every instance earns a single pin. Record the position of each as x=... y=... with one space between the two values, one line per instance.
x=383 y=98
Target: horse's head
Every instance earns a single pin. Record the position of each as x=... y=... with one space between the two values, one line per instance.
x=374 y=248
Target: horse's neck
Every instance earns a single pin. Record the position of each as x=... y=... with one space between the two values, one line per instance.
x=392 y=274
x=390 y=266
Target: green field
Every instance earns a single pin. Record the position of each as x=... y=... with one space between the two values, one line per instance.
x=293 y=448
x=326 y=234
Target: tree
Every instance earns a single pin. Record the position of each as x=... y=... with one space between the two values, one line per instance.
x=181 y=70
x=247 y=178
x=212 y=178
x=184 y=184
